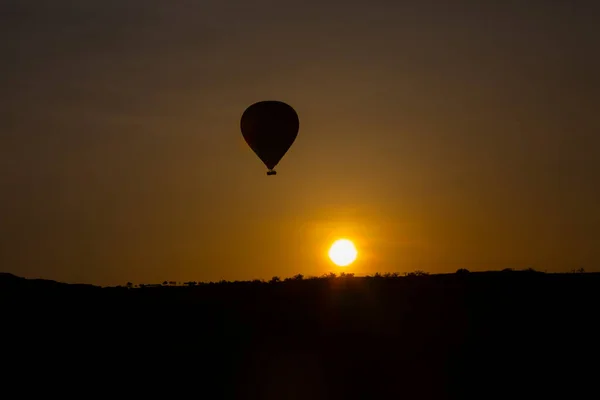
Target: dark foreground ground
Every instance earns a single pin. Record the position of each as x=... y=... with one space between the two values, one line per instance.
x=476 y=335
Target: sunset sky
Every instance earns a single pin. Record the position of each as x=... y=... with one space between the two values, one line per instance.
x=436 y=135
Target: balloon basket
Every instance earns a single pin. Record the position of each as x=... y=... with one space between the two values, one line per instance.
x=269 y=173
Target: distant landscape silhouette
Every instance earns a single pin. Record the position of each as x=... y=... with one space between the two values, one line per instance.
x=415 y=335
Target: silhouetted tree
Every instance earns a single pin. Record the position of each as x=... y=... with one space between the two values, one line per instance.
x=417 y=273
x=462 y=271
x=275 y=279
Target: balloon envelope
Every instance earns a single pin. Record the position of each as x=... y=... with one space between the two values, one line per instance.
x=270 y=128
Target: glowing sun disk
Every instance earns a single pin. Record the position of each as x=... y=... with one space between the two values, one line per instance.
x=343 y=252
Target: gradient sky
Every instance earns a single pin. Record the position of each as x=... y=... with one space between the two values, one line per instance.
x=435 y=134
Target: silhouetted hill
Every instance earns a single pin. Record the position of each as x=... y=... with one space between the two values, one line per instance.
x=509 y=333
x=13 y=282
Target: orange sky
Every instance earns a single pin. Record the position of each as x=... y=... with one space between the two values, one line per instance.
x=435 y=136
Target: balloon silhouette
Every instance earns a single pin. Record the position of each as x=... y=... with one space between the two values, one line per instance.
x=270 y=128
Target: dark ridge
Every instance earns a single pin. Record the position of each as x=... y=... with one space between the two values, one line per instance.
x=512 y=334
x=10 y=281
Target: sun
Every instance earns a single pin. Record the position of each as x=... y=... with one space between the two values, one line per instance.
x=342 y=252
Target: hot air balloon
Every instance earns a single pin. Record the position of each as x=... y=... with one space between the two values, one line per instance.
x=270 y=128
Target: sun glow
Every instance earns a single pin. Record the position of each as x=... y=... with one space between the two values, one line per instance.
x=343 y=252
